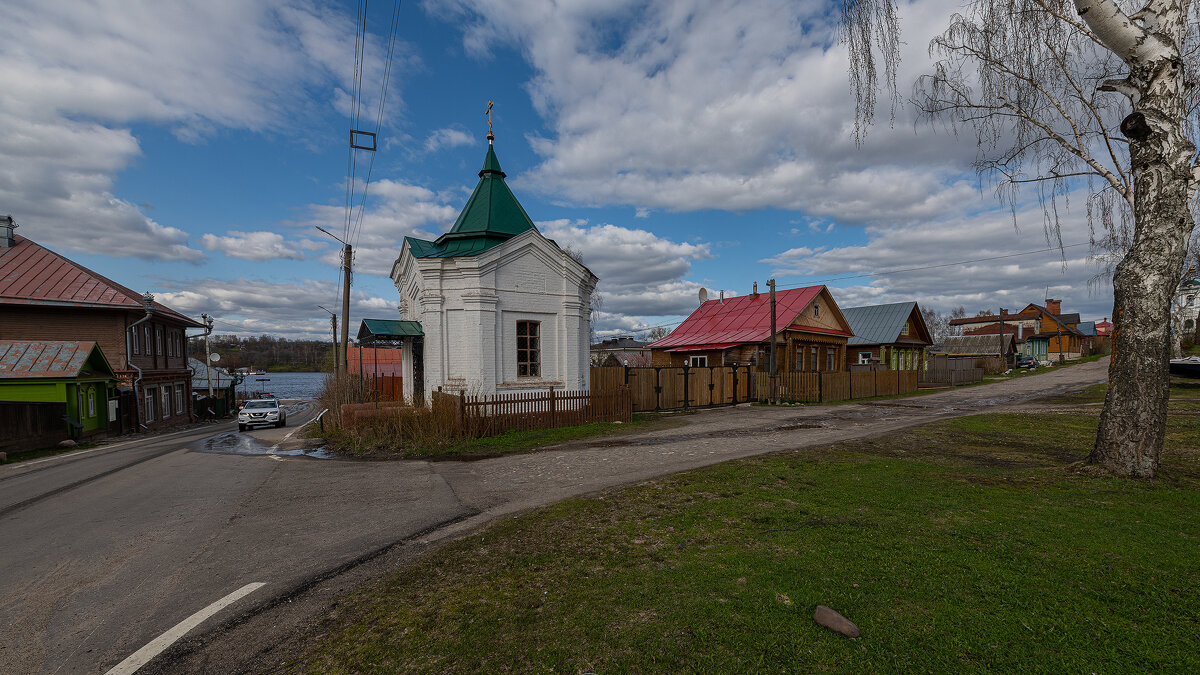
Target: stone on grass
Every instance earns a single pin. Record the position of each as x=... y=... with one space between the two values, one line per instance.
x=66 y=444
x=835 y=622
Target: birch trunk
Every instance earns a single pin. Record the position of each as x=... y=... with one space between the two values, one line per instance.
x=1133 y=421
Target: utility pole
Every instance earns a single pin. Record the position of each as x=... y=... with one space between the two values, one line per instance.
x=208 y=326
x=1002 y=338
x=347 y=257
x=773 y=359
x=333 y=326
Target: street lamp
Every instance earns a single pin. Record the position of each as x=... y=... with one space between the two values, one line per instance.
x=347 y=255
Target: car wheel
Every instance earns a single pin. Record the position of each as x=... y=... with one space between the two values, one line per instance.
x=279 y=424
x=241 y=427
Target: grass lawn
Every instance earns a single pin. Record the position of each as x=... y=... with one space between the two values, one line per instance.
x=502 y=444
x=966 y=544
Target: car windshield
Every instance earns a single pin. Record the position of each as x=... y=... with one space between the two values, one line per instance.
x=261 y=404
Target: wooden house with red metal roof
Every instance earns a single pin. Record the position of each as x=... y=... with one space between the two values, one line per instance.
x=811 y=332
x=45 y=296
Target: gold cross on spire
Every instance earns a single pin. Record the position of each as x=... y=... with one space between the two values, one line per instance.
x=488 y=112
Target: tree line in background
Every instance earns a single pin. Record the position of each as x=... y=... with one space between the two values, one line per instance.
x=267 y=353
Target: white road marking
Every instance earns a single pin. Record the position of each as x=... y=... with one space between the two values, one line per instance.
x=143 y=656
x=277 y=458
x=100 y=447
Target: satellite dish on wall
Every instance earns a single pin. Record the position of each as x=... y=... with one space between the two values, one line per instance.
x=214 y=357
x=703 y=295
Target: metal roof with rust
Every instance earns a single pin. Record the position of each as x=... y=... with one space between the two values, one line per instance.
x=31 y=274
x=718 y=324
x=22 y=359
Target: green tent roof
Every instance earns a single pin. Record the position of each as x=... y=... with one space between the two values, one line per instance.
x=492 y=216
x=388 y=329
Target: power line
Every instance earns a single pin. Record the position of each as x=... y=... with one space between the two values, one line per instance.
x=382 y=104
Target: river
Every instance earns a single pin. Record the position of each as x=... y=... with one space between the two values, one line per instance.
x=285 y=385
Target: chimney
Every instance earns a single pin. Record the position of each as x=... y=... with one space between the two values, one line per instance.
x=754 y=293
x=6 y=232
x=722 y=297
x=1054 y=306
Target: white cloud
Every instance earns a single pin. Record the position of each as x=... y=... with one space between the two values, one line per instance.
x=260 y=246
x=256 y=307
x=77 y=74
x=449 y=137
x=728 y=105
x=922 y=260
x=641 y=274
x=395 y=210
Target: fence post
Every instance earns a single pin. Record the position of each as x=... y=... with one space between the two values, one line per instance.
x=711 y=384
x=626 y=376
x=735 y=383
x=657 y=388
x=553 y=413
x=462 y=412
x=820 y=389
x=686 y=387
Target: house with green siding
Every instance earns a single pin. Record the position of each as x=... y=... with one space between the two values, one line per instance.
x=75 y=374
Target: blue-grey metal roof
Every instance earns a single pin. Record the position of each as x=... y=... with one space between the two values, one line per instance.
x=877 y=324
x=1086 y=327
x=221 y=378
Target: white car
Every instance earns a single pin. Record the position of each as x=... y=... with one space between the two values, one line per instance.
x=261 y=412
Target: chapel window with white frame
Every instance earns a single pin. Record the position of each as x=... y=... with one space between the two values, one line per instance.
x=529 y=349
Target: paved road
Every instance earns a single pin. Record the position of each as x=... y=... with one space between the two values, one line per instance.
x=104 y=552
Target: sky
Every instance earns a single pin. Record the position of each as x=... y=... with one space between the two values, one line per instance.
x=191 y=149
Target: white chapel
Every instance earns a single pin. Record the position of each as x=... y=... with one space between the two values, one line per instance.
x=493 y=306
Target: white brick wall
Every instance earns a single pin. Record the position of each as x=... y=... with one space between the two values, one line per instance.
x=469 y=309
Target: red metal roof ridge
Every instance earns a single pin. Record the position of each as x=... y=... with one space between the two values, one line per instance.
x=743 y=318
x=132 y=299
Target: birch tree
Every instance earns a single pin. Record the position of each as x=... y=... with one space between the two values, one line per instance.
x=1069 y=95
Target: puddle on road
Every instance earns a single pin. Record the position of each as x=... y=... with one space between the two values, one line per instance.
x=237 y=443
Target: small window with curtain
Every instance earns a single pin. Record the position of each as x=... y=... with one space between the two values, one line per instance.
x=816 y=359
x=178 y=398
x=799 y=357
x=146 y=341
x=831 y=358
x=166 y=401
x=529 y=349
x=133 y=341
x=816 y=310
x=864 y=358
x=158 y=341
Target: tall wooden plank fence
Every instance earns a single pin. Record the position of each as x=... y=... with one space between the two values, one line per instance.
x=825 y=387
x=673 y=387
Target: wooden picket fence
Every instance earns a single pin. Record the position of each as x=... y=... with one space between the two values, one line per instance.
x=480 y=416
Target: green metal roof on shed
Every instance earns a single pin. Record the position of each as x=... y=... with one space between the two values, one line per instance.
x=388 y=329
x=491 y=216
x=877 y=324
